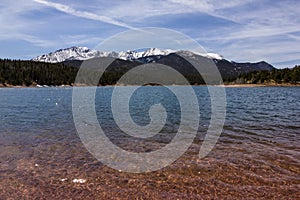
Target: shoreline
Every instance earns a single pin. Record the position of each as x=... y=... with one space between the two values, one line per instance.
x=262 y=85
x=224 y=85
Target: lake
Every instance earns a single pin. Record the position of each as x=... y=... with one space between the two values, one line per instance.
x=256 y=157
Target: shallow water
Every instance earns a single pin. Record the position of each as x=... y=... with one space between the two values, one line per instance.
x=257 y=155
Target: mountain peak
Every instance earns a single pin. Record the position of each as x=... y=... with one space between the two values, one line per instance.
x=71 y=53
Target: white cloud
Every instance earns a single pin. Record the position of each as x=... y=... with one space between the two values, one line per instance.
x=13 y=23
x=195 y=5
x=10 y=20
x=77 y=40
x=276 y=50
x=292 y=36
x=37 y=41
x=67 y=9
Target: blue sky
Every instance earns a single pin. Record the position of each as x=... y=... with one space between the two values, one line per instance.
x=240 y=30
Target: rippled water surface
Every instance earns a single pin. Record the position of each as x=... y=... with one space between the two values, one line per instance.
x=256 y=157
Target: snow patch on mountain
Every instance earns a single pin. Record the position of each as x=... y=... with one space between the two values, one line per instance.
x=84 y=53
x=214 y=56
x=73 y=53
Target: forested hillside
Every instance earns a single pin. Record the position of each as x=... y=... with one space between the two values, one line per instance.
x=278 y=76
x=26 y=73
x=31 y=73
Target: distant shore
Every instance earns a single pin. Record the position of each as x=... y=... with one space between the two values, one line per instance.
x=32 y=86
x=225 y=85
x=262 y=85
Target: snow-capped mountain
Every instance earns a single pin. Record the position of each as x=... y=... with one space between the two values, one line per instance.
x=73 y=53
x=74 y=56
x=134 y=55
x=84 y=53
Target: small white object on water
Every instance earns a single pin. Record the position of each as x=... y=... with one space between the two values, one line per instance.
x=63 y=179
x=36 y=165
x=79 y=180
x=56 y=103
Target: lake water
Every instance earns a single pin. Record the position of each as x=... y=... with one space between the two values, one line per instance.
x=257 y=155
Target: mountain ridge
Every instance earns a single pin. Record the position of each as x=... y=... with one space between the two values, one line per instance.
x=84 y=53
x=74 y=56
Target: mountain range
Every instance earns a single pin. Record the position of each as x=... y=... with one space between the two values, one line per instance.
x=127 y=60
x=84 y=53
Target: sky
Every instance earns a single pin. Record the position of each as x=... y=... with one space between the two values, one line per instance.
x=239 y=30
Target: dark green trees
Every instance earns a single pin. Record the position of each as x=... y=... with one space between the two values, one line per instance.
x=274 y=76
x=26 y=73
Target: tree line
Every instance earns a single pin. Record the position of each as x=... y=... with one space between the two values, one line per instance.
x=277 y=76
x=26 y=73
x=30 y=73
